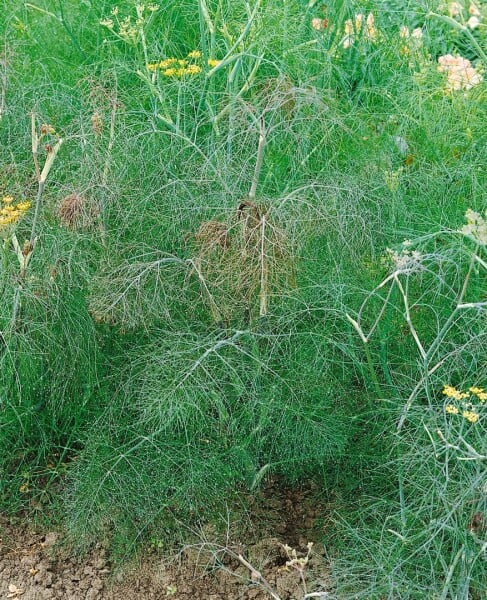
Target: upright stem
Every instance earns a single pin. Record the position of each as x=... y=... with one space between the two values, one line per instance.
x=259 y=161
x=111 y=140
x=263 y=273
x=40 y=191
x=3 y=279
x=439 y=338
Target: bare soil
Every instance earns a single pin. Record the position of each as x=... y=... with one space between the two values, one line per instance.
x=35 y=565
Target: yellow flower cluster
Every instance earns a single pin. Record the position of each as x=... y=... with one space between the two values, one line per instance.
x=476 y=226
x=179 y=67
x=460 y=75
x=10 y=213
x=469 y=409
x=451 y=392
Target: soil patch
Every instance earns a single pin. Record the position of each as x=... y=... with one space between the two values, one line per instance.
x=35 y=565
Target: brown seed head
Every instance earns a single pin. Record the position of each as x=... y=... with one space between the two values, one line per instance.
x=211 y=233
x=78 y=212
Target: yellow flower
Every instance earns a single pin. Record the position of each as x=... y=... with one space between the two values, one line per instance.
x=193 y=69
x=10 y=213
x=169 y=72
x=452 y=392
x=453 y=410
x=164 y=64
x=212 y=62
x=470 y=415
x=194 y=54
x=152 y=66
x=476 y=390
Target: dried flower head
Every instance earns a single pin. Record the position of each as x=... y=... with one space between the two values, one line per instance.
x=97 y=123
x=212 y=234
x=78 y=212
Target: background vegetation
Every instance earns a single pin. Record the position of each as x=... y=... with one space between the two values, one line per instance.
x=252 y=261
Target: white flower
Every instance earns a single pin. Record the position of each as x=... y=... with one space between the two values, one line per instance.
x=473 y=22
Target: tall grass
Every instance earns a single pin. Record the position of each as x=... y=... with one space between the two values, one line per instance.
x=201 y=240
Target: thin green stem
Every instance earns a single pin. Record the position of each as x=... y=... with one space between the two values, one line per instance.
x=3 y=281
x=373 y=374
